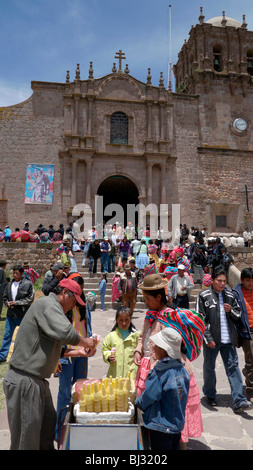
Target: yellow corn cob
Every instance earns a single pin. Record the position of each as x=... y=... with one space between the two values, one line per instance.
x=89 y=399
x=116 y=383
x=97 y=399
x=82 y=401
x=120 y=396
x=112 y=404
x=104 y=399
x=126 y=389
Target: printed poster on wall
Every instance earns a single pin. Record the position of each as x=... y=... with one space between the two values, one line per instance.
x=39 y=184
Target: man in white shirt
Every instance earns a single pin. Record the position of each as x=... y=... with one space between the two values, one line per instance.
x=246 y=237
x=179 y=288
x=135 y=245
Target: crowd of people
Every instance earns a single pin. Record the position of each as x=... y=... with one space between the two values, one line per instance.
x=55 y=333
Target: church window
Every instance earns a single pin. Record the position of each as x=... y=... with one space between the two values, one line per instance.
x=221 y=221
x=217 y=58
x=119 y=128
x=250 y=62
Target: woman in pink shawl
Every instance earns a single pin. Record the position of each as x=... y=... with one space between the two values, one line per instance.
x=115 y=291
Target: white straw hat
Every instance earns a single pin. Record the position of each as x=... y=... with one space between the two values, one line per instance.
x=169 y=340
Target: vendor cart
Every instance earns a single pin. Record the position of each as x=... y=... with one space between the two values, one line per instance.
x=83 y=430
x=77 y=436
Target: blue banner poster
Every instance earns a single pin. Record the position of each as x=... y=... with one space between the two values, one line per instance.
x=39 y=184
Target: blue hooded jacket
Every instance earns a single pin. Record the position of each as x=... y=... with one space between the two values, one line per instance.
x=164 y=398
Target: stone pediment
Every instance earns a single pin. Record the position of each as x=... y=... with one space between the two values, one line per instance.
x=120 y=87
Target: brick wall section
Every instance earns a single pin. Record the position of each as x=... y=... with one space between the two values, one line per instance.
x=31 y=132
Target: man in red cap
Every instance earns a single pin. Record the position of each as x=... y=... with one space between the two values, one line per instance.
x=43 y=332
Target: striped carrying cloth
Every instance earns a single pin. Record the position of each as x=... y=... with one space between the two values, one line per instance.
x=170 y=271
x=152 y=249
x=207 y=280
x=185 y=261
x=187 y=323
x=150 y=269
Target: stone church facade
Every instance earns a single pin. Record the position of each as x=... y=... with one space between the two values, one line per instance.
x=134 y=142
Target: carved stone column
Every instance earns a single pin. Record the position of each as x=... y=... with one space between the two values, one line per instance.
x=73 y=181
x=88 y=182
x=149 y=183
x=163 y=167
x=76 y=115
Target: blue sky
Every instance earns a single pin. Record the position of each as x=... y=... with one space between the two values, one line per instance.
x=42 y=39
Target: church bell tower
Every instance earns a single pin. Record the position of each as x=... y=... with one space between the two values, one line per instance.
x=218 y=51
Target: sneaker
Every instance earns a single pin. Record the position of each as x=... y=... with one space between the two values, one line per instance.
x=245 y=406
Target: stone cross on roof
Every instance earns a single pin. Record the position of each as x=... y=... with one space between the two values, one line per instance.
x=120 y=55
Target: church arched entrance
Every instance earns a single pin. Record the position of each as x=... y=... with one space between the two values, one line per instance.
x=119 y=189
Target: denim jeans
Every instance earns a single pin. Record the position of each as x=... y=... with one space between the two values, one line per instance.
x=10 y=325
x=123 y=254
x=72 y=370
x=111 y=264
x=230 y=361
x=104 y=262
x=102 y=298
x=91 y=262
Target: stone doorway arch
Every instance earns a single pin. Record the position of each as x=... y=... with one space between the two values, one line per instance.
x=121 y=190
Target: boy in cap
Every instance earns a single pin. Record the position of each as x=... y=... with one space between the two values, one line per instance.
x=163 y=401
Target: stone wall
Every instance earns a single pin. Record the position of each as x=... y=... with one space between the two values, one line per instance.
x=39 y=255
x=30 y=132
x=243 y=257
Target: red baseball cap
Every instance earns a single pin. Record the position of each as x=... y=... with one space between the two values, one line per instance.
x=74 y=287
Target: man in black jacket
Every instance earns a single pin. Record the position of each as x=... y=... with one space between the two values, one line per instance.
x=221 y=312
x=198 y=262
x=18 y=296
x=93 y=254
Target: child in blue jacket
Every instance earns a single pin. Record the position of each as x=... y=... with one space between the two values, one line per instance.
x=163 y=401
x=102 y=290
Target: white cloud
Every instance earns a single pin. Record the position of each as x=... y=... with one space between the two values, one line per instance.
x=11 y=95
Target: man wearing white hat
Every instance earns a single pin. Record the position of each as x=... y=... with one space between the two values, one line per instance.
x=179 y=288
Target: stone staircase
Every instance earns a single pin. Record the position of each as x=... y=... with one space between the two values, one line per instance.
x=92 y=284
